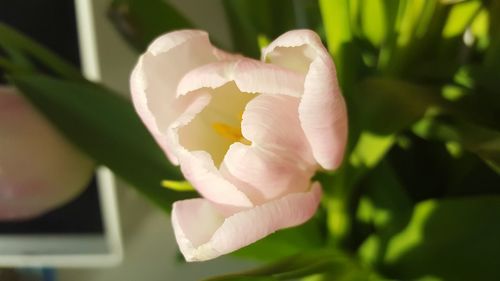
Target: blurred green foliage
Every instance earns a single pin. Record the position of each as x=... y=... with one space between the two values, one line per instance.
x=417 y=197
x=141 y=21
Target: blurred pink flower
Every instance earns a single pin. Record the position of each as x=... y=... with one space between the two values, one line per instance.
x=39 y=169
x=248 y=134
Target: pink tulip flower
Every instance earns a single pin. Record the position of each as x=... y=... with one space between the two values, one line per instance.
x=247 y=134
x=39 y=169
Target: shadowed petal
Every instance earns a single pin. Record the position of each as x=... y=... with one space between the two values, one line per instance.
x=220 y=236
x=199 y=169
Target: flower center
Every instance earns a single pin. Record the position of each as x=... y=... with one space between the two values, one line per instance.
x=230 y=132
x=218 y=125
x=227 y=131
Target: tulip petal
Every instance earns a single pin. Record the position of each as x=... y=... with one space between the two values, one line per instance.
x=250 y=76
x=154 y=80
x=280 y=160
x=272 y=122
x=196 y=145
x=218 y=236
x=39 y=169
x=271 y=175
x=322 y=110
x=194 y=222
x=199 y=169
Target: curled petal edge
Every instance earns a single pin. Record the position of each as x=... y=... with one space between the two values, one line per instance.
x=242 y=228
x=322 y=112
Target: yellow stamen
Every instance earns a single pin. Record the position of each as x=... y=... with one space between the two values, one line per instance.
x=227 y=131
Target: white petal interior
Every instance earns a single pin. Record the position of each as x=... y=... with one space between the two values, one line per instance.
x=163 y=72
x=226 y=107
x=294 y=58
x=198 y=220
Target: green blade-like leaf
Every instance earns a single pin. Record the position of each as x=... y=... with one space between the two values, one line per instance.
x=250 y=19
x=419 y=27
x=453 y=239
x=337 y=24
x=376 y=103
x=336 y=264
x=14 y=41
x=374 y=21
x=141 y=21
x=373 y=130
x=482 y=141
x=392 y=206
x=243 y=30
x=492 y=57
x=106 y=127
x=347 y=56
x=384 y=207
x=286 y=242
x=460 y=18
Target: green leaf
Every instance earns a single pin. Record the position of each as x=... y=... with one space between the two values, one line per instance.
x=17 y=61
x=243 y=30
x=453 y=239
x=482 y=141
x=286 y=242
x=307 y=15
x=390 y=35
x=336 y=264
x=380 y=100
x=339 y=37
x=373 y=21
x=251 y=19
x=377 y=20
x=370 y=149
x=376 y=103
x=419 y=27
x=373 y=132
x=337 y=24
x=492 y=56
x=391 y=206
x=460 y=18
x=385 y=206
x=106 y=127
x=13 y=41
x=141 y=21
x=10 y=67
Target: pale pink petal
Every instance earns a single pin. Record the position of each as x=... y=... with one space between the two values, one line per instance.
x=225 y=56
x=203 y=234
x=272 y=122
x=196 y=163
x=322 y=111
x=195 y=221
x=250 y=76
x=39 y=169
x=271 y=175
x=280 y=160
x=198 y=168
x=154 y=80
